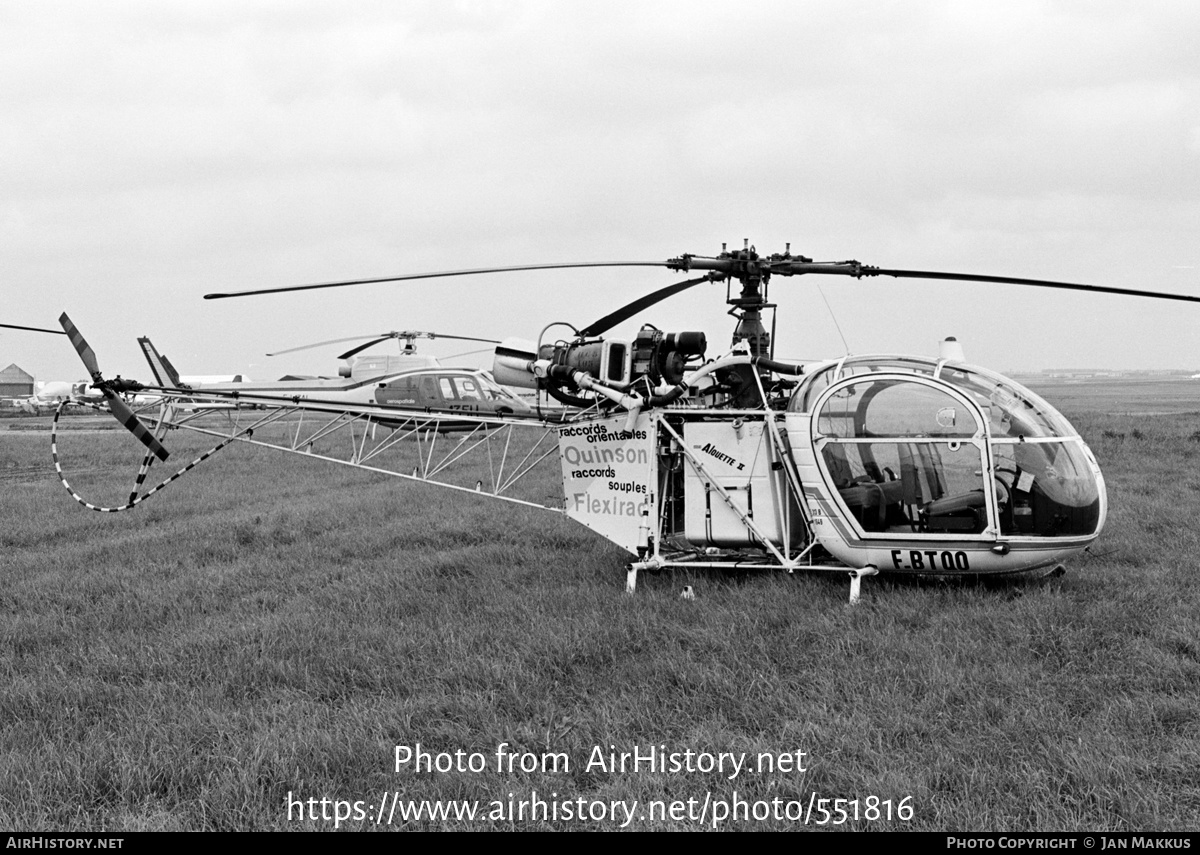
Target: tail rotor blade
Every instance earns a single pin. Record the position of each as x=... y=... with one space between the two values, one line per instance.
x=134 y=425
x=116 y=406
x=81 y=346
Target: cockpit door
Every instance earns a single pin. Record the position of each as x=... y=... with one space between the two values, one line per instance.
x=905 y=456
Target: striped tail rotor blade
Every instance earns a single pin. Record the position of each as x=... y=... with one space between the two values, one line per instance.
x=81 y=346
x=134 y=425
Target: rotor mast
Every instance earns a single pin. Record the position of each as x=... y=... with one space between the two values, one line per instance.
x=748 y=305
x=754 y=273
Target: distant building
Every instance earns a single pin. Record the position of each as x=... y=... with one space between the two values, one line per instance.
x=15 y=383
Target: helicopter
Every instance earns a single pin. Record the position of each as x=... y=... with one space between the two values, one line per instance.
x=866 y=464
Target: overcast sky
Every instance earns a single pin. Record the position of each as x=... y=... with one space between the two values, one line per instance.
x=154 y=152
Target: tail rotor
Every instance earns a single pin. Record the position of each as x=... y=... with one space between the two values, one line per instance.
x=111 y=390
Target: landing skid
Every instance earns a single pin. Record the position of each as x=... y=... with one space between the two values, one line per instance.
x=658 y=562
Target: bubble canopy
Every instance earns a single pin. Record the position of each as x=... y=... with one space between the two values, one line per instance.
x=929 y=448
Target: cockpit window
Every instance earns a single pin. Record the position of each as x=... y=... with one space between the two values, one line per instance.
x=1045 y=489
x=468 y=389
x=820 y=379
x=493 y=390
x=904 y=456
x=1012 y=410
x=891 y=407
x=907 y=456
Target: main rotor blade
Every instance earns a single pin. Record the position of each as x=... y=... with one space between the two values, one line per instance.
x=1014 y=280
x=322 y=344
x=134 y=425
x=437 y=275
x=428 y=335
x=630 y=309
x=361 y=347
x=470 y=353
x=434 y=335
x=32 y=329
x=375 y=338
x=81 y=346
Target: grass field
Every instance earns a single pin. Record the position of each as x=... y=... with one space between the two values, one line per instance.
x=269 y=629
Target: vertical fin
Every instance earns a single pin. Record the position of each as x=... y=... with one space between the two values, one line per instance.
x=164 y=372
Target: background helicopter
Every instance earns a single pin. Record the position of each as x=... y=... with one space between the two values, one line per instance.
x=866 y=464
x=408 y=381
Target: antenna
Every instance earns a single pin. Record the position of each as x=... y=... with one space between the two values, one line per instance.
x=833 y=315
